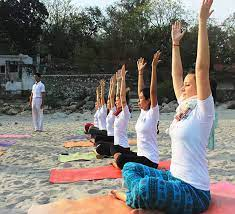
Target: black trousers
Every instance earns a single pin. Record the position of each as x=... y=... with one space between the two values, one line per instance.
x=100 y=138
x=133 y=157
x=107 y=148
x=94 y=131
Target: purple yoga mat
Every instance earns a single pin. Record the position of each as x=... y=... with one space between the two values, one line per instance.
x=6 y=143
x=18 y=136
x=76 y=137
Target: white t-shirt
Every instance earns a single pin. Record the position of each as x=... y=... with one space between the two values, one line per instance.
x=96 y=123
x=189 y=139
x=120 y=128
x=38 y=89
x=146 y=130
x=102 y=118
x=110 y=122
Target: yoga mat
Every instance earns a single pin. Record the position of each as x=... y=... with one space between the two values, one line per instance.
x=84 y=174
x=77 y=156
x=76 y=137
x=2 y=152
x=223 y=198
x=132 y=142
x=93 y=205
x=6 y=143
x=71 y=144
x=223 y=202
x=19 y=136
x=164 y=165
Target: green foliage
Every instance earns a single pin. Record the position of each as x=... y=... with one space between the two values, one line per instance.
x=165 y=90
x=22 y=23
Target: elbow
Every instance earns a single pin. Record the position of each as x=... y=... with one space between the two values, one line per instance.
x=153 y=91
x=202 y=67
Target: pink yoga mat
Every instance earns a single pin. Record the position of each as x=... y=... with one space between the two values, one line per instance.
x=223 y=198
x=18 y=136
x=223 y=202
x=86 y=174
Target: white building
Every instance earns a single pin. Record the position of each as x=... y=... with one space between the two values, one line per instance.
x=16 y=72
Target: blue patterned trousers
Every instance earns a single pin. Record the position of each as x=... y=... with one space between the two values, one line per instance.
x=149 y=188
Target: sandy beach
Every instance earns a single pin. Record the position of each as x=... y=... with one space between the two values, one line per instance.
x=24 y=168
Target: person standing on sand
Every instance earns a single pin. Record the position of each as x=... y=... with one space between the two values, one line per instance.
x=36 y=102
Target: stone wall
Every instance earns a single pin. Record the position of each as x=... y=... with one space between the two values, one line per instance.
x=71 y=88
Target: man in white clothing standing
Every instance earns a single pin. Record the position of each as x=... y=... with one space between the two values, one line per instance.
x=37 y=102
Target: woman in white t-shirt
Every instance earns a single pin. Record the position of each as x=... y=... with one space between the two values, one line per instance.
x=122 y=116
x=146 y=126
x=101 y=113
x=186 y=187
x=103 y=143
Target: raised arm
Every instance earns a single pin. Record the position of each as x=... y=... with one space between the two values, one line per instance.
x=140 y=65
x=98 y=96
x=153 y=85
x=118 y=78
x=102 y=88
x=203 y=53
x=123 y=87
x=112 y=91
x=177 y=68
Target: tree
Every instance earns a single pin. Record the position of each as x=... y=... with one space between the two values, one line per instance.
x=22 y=21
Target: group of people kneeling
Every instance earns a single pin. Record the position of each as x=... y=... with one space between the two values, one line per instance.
x=186 y=187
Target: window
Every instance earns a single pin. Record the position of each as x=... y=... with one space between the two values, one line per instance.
x=2 y=69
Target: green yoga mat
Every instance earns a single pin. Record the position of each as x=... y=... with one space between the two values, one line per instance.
x=77 y=156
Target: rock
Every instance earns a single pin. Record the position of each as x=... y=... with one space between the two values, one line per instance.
x=89 y=105
x=231 y=104
x=12 y=112
x=72 y=108
x=165 y=100
x=167 y=109
x=227 y=105
x=73 y=103
x=81 y=104
x=59 y=115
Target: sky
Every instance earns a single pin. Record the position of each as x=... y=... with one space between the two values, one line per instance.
x=223 y=8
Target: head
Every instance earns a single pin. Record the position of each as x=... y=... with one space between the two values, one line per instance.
x=37 y=77
x=144 y=99
x=189 y=88
x=118 y=102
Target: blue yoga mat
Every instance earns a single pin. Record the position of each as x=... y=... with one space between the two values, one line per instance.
x=6 y=143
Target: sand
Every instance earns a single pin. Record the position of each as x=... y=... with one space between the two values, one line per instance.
x=24 y=169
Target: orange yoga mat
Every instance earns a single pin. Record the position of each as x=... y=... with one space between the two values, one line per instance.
x=94 y=205
x=71 y=144
x=87 y=174
x=223 y=202
x=2 y=152
x=84 y=174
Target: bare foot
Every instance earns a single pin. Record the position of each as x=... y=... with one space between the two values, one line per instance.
x=119 y=195
x=116 y=155
x=115 y=164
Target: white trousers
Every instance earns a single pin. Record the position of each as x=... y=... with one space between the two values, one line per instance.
x=37 y=114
